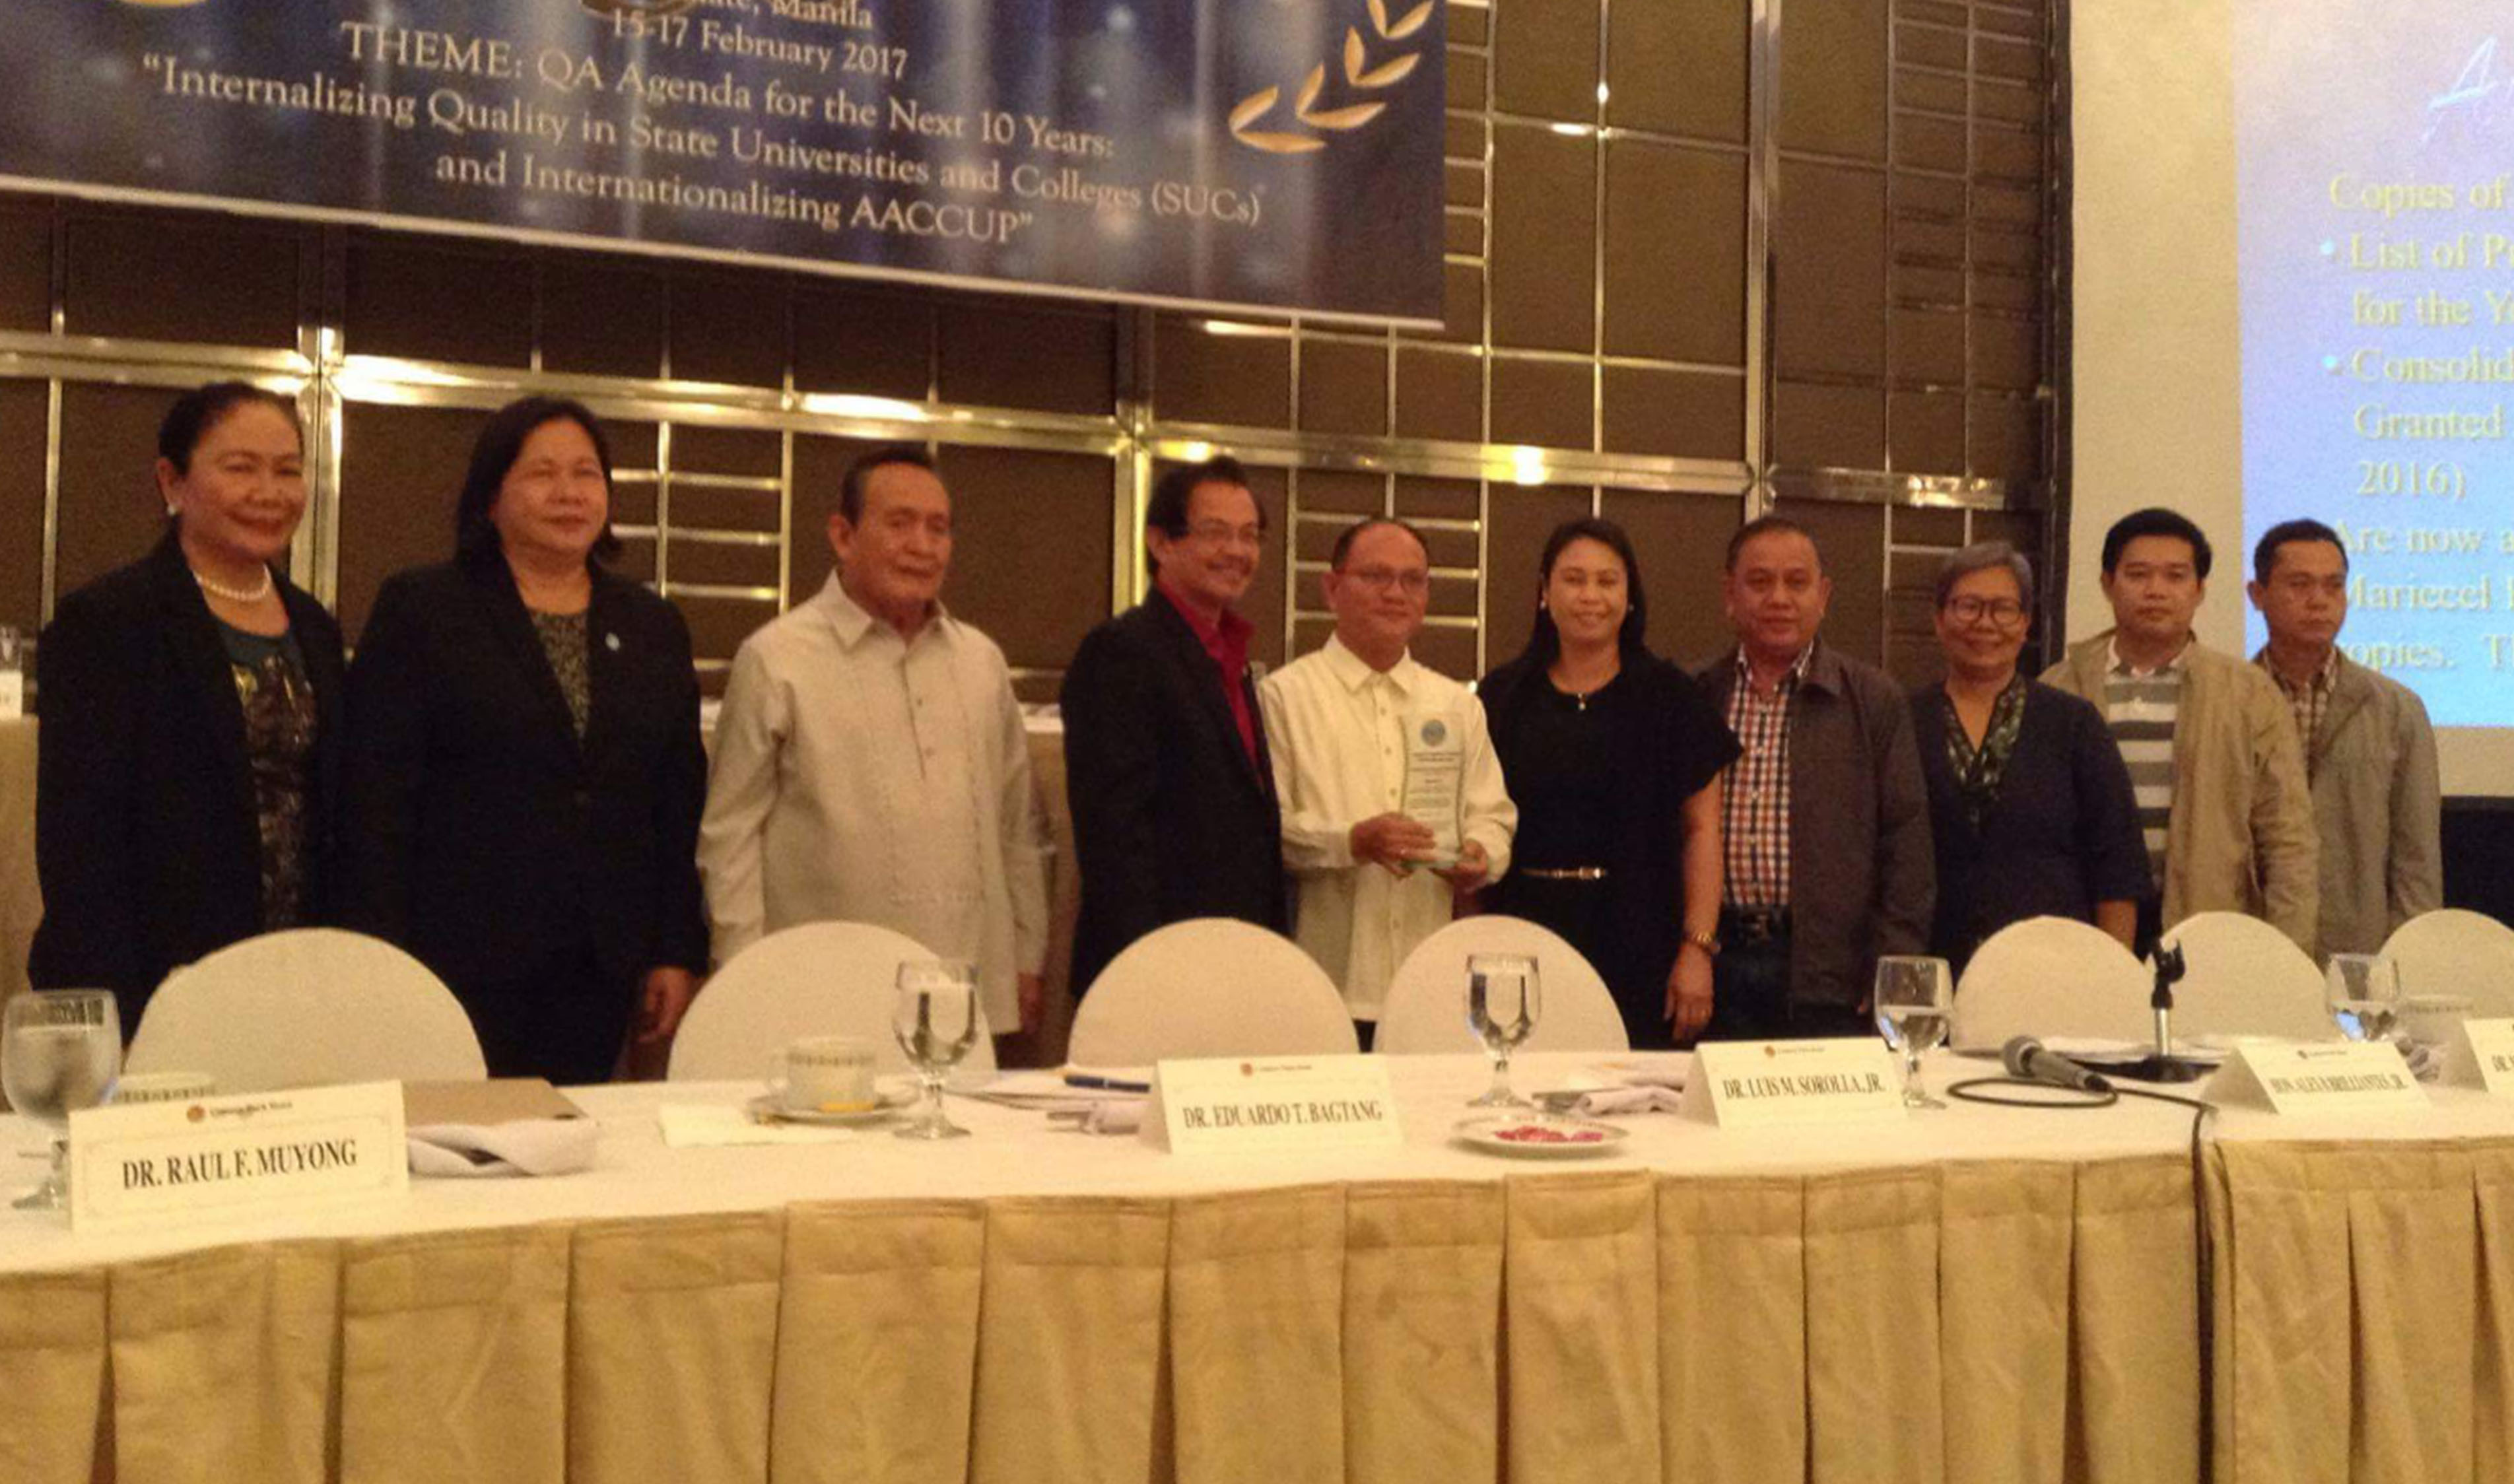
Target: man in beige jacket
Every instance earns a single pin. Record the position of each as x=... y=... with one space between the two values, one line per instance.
x=2370 y=752
x=2212 y=750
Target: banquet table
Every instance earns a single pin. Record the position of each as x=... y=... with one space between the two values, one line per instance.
x=1972 y=1294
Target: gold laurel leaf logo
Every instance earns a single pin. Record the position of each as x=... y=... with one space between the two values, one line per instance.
x=1361 y=73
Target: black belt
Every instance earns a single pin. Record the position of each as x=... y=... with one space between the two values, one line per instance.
x=1752 y=925
x=1564 y=873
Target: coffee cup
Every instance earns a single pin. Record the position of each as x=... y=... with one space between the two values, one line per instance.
x=824 y=1074
x=163 y=1086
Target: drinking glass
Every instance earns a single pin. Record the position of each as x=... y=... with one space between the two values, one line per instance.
x=1915 y=1000
x=1502 y=1005
x=936 y=1020
x=60 y=1052
x=2363 y=992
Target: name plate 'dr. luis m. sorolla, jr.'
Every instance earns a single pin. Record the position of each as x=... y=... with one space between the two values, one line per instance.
x=1755 y=1084
x=220 y=1158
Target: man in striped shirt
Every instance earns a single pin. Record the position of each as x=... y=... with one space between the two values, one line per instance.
x=2211 y=747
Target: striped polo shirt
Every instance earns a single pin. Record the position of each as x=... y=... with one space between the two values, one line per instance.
x=2142 y=706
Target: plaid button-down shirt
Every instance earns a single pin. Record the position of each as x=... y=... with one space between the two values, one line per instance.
x=1756 y=811
x=2306 y=702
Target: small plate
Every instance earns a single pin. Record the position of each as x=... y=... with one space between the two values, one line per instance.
x=1540 y=1136
x=891 y=1100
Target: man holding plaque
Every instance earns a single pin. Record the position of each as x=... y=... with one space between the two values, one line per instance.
x=1391 y=794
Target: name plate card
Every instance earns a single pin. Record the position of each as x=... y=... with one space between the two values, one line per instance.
x=2318 y=1076
x=157 y=1163
x=2484 y=1057
x=1762 y=1084
x=1281 y=1103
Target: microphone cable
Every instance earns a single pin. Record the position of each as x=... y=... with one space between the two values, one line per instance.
x=1977 y=1090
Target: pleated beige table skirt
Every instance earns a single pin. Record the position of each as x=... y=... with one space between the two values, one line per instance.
x=1992 y=1321
x=1968 y=1295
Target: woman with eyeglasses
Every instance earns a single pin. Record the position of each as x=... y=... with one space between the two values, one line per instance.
x=2030 y=806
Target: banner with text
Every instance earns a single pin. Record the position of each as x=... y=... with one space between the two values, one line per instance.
x=1284 y=155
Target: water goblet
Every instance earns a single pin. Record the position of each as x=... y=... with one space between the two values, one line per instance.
x=1502 y=1004
x=935 y=1016
x=1914 y=1001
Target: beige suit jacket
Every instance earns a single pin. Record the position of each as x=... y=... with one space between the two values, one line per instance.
x=2242 y=835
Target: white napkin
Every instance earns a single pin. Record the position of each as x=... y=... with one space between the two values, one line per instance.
x=1616 y=1102
x=716 y=1125
x=1648 y=1068
x=524 y=1146
x=1108 y=1116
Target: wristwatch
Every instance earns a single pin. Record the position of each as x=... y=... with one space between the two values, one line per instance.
x=1708 y=943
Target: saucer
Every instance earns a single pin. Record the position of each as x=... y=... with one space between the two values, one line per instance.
x=888 y=1101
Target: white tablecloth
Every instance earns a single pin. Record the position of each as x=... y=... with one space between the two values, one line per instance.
x=1973 y=1294
x=1021 y=1154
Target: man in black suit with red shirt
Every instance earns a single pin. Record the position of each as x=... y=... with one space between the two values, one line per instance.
x=1167 y=769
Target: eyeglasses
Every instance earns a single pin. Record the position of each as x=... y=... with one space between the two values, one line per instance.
x=1213 y=533
x=1413 y=583
x=2004 y=612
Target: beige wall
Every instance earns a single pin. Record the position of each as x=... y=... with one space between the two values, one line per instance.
x=2155 y=375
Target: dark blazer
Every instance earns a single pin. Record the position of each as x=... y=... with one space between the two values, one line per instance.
x=1862 y=881
x=1170 y=822
x=148 y=835
x=2062 y=835
x=479 y=834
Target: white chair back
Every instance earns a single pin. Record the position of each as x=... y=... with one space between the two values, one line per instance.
x=815 y=979
x=1426 y=1009
x=1210 y=987
x=2242 y=977
x=307 y=1008
x=2450 y=952
x=2050 y=976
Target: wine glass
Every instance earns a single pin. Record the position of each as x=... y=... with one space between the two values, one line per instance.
x=936 y=1020
x=61 y=1051
x=1915 y=999
x=2363 y=992
x=1502 y=1005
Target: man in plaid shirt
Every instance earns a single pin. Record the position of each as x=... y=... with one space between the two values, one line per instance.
x=1826 y=820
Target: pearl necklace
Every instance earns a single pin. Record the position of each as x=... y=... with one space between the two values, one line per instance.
x=235 y=594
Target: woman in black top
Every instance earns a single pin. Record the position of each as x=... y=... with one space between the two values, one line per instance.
x=1613 y=757
x=191 y=720
x=526 y=777
x=2030 y=806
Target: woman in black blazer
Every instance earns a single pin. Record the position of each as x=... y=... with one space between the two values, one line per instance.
x=525 y=777
x=2031 y=810
x=191 y=720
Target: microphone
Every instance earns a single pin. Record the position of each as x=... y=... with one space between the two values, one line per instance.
x=2027 y=1057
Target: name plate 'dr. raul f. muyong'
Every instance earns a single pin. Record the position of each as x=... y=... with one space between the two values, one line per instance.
x=221 y=1158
